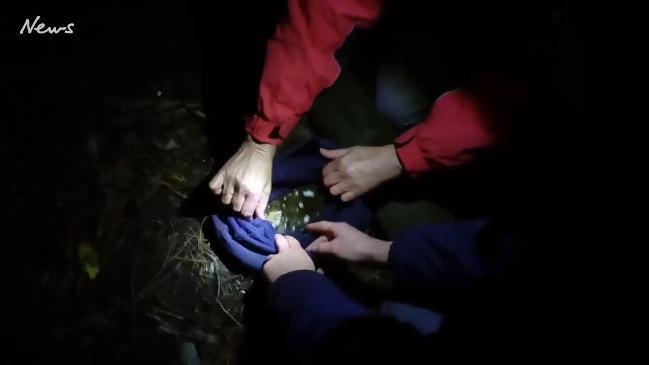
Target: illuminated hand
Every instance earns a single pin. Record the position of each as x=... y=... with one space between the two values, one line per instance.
x=245 y=180
x=346 y=242
x=357 y=170
x=290 y=257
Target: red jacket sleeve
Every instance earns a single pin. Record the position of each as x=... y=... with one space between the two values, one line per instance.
x=300 y=61
x=460 y=123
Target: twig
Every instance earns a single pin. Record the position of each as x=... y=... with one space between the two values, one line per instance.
x=168 y=313
x=186 y=259
x=170 y=187
x=213 y=257
x=218 y=281
x=162 y=267
x=232 y=278
x=228 y=313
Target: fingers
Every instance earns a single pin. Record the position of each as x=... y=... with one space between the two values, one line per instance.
x=216 y=184
x=282 y=243
x=244 y=201
x=332 y=179
x=250 y=204
x=286 y=242
x=347 y=196
x=292 y=242
x=322 y=246
x=260 y=211
x=238 y=200
x=322 y=227
x=316 y=242
x=339 y=188
x=228 y=192
x=333 y=154
x=330 y=168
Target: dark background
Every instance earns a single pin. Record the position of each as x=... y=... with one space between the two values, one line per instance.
x=578 y=188
x=57 y=94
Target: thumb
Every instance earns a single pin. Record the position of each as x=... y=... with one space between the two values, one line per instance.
x=314 y=245
x=325 y=247
x=282 y=243
x=333 y=154
x=323 y=227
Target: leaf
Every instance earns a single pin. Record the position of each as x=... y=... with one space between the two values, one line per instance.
x=89 y=259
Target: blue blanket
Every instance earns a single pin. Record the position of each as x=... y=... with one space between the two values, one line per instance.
x=248 y=242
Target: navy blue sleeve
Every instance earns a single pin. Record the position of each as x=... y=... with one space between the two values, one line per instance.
x=445 y=258
x=308 y=305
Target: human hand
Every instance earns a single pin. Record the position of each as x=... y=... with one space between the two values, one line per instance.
x=356 y=170
x=290 y=257
x=245 y=179
x=348 y=243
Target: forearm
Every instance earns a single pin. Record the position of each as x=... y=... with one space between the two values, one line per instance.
x=475 y=117
x=300 y=61
x=308 y=305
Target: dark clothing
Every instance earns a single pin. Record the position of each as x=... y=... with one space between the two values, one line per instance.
x=448 y=261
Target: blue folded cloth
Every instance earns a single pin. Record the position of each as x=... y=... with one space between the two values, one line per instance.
x=249 y=241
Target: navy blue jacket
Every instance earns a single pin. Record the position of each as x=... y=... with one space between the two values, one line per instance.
x=442 y=261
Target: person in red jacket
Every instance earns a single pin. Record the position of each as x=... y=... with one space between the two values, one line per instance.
x=300 y=63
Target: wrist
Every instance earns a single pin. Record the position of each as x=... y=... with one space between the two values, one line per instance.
x=260 y=147
x=287 y=272
x=392 y=161
x=380 y=251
